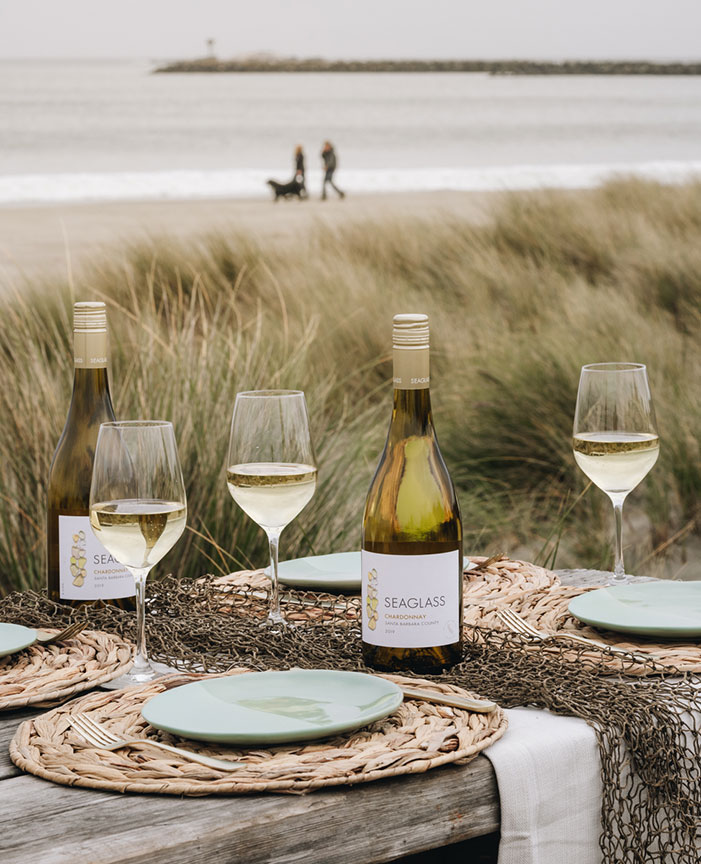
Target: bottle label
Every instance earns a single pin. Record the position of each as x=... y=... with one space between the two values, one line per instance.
x=90 y=349
x=411 y=601
x=411 y=368
x=87 y=571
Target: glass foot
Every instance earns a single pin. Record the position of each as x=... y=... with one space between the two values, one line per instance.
x=275 y=623
x=618 y=579
x=141 y=675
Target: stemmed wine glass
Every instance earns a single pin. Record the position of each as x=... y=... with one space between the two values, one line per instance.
x=271 y=471
x=615 y=437
x=138 y=509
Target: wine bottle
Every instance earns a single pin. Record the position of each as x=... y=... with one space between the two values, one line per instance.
x=79 y=568
x=412 y=533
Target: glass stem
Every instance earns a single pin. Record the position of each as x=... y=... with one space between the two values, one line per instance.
x=619 y=572
x=140 y=656
x=274 y=613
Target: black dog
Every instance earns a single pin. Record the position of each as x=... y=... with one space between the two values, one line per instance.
x=288 y=190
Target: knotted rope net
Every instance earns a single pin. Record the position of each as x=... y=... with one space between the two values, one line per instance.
x=647 y=727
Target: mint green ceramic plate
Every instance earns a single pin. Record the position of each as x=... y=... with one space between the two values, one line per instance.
x=14 y=637
x=661 y=608
x=273 y=707
x=337 y=572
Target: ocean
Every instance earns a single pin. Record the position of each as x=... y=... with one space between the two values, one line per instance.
x=110 y=130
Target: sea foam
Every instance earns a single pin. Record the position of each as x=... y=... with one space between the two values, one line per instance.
x=164 y=185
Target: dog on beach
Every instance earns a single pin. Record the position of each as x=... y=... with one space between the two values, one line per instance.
x=293 y=189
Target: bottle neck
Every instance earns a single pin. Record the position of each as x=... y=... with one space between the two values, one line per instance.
x=90 y=380
x=411 y=414
x=91 y=387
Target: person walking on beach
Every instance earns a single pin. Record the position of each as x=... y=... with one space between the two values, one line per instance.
x=299 y=169
x=328 y=155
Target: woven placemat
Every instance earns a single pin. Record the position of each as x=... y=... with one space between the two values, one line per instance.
x=499 y=577
x=494 y=578
x=241 y=590
x=47 y=674
x=417 y=737
x=547 y=611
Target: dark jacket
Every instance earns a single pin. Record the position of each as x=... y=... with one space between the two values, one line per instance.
x=329 y=157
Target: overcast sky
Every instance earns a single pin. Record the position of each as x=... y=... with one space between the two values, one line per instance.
x=657 y=29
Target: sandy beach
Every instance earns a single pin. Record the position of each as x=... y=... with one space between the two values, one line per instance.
x=46 y=241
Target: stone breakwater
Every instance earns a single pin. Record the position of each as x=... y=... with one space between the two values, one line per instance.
x=492 y=67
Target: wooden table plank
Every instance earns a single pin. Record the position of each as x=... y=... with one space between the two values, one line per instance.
x=374 y=822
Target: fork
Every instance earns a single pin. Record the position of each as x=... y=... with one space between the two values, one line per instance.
x=479 y=706
x=519 y=625
x=44 y=638
x=100 y=737
x=493 y=559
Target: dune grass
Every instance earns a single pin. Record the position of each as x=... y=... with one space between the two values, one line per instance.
x=517 y=305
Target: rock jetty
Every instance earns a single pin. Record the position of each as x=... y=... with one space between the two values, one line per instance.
x=267 y=63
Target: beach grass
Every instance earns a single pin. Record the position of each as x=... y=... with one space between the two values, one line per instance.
x=517 y=305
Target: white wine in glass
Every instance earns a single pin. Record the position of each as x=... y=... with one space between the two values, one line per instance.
x=138 y=532
x=271 y=470
x=615 y=439
x=271 y=493
x=138 y=509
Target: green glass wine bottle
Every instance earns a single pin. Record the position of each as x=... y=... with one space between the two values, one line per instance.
x=79 y=568
x=412 y=533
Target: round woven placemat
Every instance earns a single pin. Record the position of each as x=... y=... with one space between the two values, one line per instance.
x=241 y=590
x=547 y=611
x=417 y=737
x=46 y=674
x=495 y=578
x=499 y=577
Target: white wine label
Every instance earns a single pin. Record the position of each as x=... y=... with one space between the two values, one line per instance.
x=411 y=601
x=87 y=571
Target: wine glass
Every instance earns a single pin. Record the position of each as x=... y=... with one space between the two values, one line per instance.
x=271 y=471
x=615 y=437
x=138 y=509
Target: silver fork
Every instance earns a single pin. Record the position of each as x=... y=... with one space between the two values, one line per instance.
x=44 y=638
x=519 y=625
x=100 y=737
